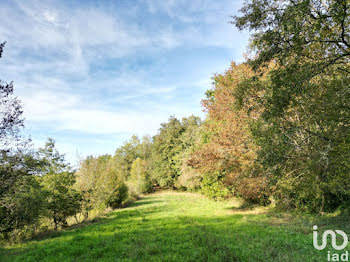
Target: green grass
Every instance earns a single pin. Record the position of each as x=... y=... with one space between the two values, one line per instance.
x=169 y=226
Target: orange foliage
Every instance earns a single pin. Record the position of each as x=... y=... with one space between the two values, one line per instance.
x=230 y=150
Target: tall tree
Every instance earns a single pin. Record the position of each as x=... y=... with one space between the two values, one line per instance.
x=166 y=146
x=126 y=154
x=228 y=152
x=305 y=121
x=21 y=198
x=190 y=139
x=295 y=31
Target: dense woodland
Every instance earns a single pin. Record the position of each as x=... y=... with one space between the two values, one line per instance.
x=276 y=132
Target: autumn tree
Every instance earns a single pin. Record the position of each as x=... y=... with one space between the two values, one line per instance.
x=227 y=155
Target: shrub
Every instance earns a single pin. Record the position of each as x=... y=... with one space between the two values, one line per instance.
x=62 y=200
x=118 y=196
x=212 y=187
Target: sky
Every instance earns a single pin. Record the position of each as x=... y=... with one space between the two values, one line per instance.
x=92 y=73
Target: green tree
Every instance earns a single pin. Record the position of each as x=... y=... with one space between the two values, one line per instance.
x=62 y=199
x=22 y=200
x=100 y=180
x=166 y=146
x=191 y=138
x=139 y=177
x=111 y=186
x=52 y=160
x=86 y=184
x=58 y=180
x=126 y=154
x=118 y=195
x=170 y=146
x=304 y=124
x=299 y=33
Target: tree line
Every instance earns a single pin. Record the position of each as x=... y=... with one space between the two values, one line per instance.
x=277 y=130
x=277 y=126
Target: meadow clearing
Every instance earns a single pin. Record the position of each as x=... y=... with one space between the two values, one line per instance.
x=173 y=226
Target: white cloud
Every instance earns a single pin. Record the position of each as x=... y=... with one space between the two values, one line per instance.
x=51 y=17
x=74 y=66
x=85 y=33
x=69 y=112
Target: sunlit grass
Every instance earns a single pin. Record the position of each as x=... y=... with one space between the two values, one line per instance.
x=171 y=226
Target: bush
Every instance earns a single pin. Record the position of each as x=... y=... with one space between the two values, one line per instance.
x=63 y=200
x=118 y=196
x=190 y=178
x=212 y=187
x=21 y=207
x=139 y=177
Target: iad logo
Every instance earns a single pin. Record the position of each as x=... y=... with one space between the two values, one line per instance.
x=334 y=239
x=334 y=256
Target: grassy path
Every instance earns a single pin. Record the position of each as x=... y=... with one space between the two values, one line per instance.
x=177 y=227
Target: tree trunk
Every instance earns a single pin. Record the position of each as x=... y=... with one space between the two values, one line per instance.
x=56 y=222
x=86 y=215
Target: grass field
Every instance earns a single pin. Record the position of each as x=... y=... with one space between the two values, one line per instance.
x=170 y=226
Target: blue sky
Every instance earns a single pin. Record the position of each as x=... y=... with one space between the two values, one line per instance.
x=92 y=73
